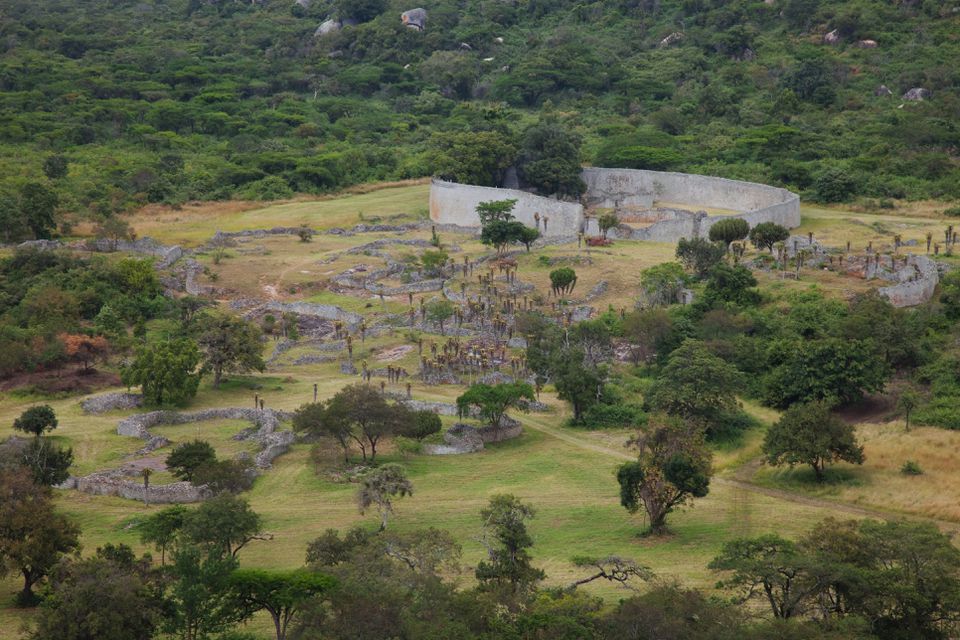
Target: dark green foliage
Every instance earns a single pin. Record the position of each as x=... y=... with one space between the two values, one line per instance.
x=167 y=372
x=49 y=464
x=108 y=597
x=808 y=433
x=223 y=525
x=834 y=184
x=161 y=528
x=700 y=255
x=730 y=284
x=508 y=567
x=729 y=230
x=281 y=594
x=479 y=158
x=550 y=160
x=36 y=420
x=493 y=401
x=766 y=234
x=672 y=468
x=359 y=10
x=832 y=369
x=55 y=167
x=187 y=458
x=225 y=476
x=562 y=281
x=229 y=343
x=423 y=425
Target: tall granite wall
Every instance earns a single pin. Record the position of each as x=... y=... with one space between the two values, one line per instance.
x=452 y=203
x=627 y=189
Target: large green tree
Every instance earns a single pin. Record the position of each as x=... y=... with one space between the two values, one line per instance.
x=508 y=566
x=167 y=371
x=672 y=468
x=493 y=401
x=380 y=486
x=229 y=344
x=808 y=433
x=549 y=159
x=281 y=594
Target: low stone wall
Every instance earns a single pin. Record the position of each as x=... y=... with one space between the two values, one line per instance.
x=113 y=483
x=918 y=282
x=111 y=401
x=631 y=192
x=452 y=203
x=465 y=438
x=322 y=311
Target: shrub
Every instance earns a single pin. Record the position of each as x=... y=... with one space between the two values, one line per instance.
x=599 y=241
x=911 y=468
x=834 y=184
x=952 y=212
x=601 y=416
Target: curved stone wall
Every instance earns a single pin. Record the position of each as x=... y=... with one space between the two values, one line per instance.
x=626 y=190
x=453 y=203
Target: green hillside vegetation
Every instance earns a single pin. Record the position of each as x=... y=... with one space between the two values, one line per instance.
x=106 y=106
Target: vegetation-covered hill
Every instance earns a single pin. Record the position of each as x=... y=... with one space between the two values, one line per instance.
x=177 y=100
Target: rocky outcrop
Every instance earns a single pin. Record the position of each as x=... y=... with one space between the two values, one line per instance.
x=917 y=283
x=111 y=401
x=415 y=18
x=883 y=91
x=673 y=38
x=833 y=37
x=917 y=94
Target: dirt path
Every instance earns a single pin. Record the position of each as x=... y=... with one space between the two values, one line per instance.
x=739 y=481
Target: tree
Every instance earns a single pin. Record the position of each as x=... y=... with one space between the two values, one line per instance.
x=906 y=403
x=379 y=486
x=493 y=401
x=434 y=261
x=424 y=424
x=576 y=383
x=105 y=597
x=55 y=167
x=832 y=369
x=549 y=160
x=528 y=236
x=729 y=230
x=225 y=476
x=229 y=344
x=695 y=385
x=359 y=10
x=48 y=464
x=808 y=433
x=767 y=234
x=607 y=221
x=730 y=284
x=162 y=527
x=672 y=468
x=661 y=285
x=439 y=311
x=359 y=413
x=165 y=371
x=495 y=211
x=113 y=229
x=771 y=567
x=507 y=566
x=38 y=204
x=225 y=524
x=188 y=457
x=33 y=536
x=84 y=349
x=699 y=255
x=36 y=420
x=200 y=600
x=279 y=593
x=646 y=330
x=562 y=281
x=472 y=157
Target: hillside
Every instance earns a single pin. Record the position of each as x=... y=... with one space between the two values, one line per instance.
x=106 y=106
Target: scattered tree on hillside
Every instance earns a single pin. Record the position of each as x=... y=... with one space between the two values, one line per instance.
x=36 y=420
x=161 y=528
x=661 y=285
x=906 y=403
x=699 y=255
x=607 y=221
x=808 y=433
x=48 y=464
x=282 y=594
x=498 y=227
x=439 y=311
x=423 y=425
x=646 y=330
x=166 y=371
x=33 y=536
x=188 y=457
x=84 y=349
x=229 y=344
x=767 y=234
x=224 y=524
x=507 y=567
x=729 y=230
x=493 y=401
x=562 y=281
x=672 y=468
x=380 y=486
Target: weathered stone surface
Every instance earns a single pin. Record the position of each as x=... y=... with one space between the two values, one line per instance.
x=883 y=90
x=464 y=438
x=673 y=38
x=327 y=27
x=918 y=281
x=917 y=94
x=832 y=37
x=867 y=44
x=415 y=18
x=115 y=483
x=110 y=401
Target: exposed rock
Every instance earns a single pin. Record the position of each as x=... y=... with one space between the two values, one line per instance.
x=110 y=401
x=415 y=18
x=918 y=280
x=464 y=438
x=832 y=38
x=867 y=44
x=917 y=94
x=465 y=47
x=327 y=27
x=673 y=38
x=883 y=90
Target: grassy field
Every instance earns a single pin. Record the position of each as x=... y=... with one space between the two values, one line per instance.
x=567 y=474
